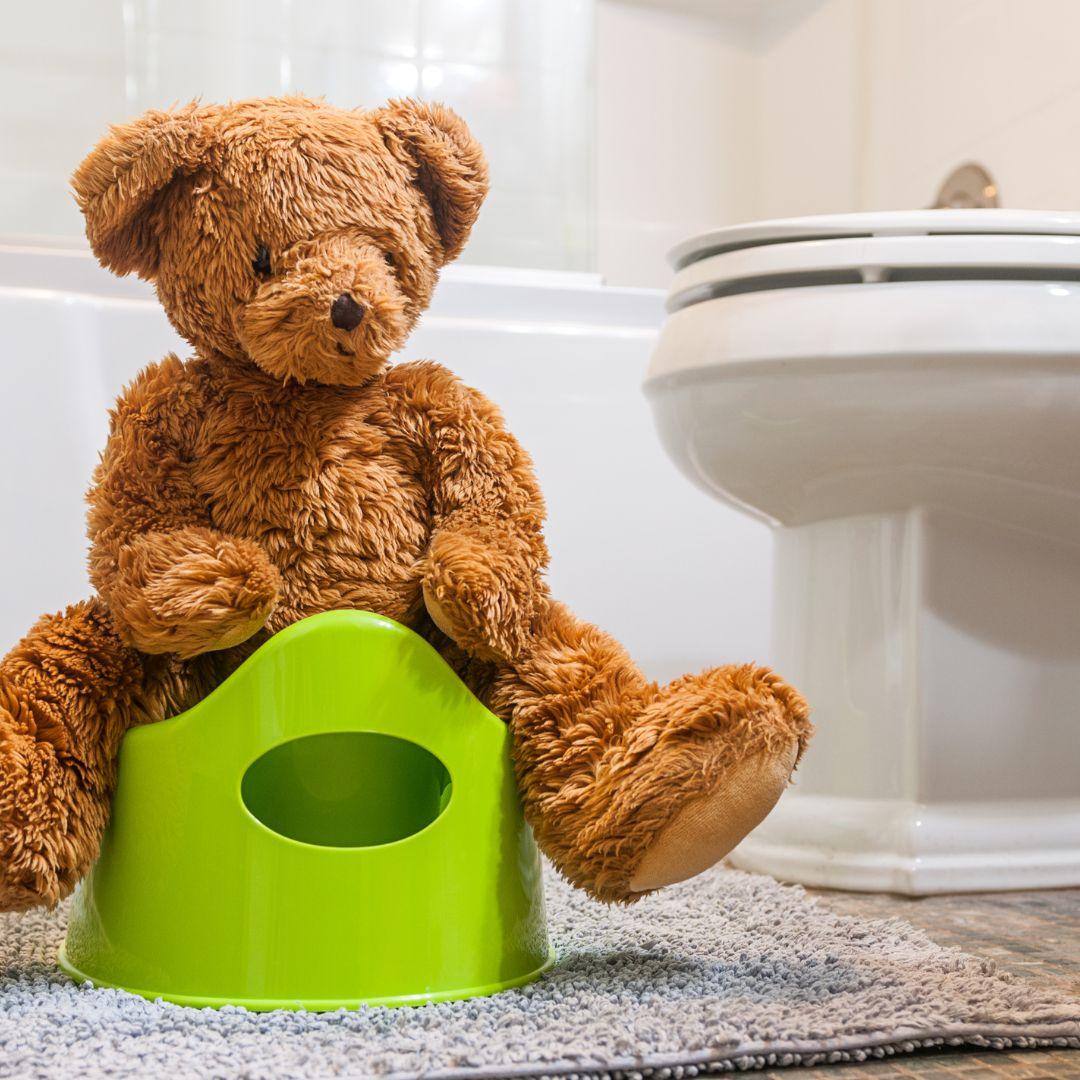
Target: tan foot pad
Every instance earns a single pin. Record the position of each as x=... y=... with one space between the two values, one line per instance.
x=707 y=828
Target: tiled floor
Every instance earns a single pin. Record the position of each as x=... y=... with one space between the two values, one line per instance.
x=1035 y=934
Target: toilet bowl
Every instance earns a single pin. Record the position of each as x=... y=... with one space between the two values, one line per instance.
x=898 y=394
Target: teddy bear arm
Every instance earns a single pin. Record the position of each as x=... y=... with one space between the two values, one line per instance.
x=482 y=583
x=189 y=590
x=483 y=571
x=172 y=583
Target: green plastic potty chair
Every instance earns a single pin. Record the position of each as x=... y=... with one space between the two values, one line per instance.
x=336 y=824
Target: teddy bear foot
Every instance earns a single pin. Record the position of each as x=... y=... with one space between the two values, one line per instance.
x=716 y=752
x=710 y=826
x=68 y=691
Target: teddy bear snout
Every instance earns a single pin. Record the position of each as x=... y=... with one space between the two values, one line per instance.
x=346 y=313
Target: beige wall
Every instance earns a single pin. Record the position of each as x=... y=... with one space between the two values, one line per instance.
x=807 y=102
x=789 y=107
x=997 y=81
x=673 y=129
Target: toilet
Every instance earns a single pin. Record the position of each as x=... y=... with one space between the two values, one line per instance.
x=898 y=396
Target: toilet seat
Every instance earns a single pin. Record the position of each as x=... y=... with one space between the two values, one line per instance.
x=929 y=284
x=874 y=260
x=879 y=224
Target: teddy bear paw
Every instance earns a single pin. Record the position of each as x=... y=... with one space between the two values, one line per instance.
x=711 y=755
x=192 y=592
x=709 y=826
x=480 y=597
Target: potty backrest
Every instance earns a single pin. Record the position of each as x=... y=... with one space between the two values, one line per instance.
x=337 y=822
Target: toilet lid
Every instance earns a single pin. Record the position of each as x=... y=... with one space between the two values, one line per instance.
x=906 y=245
x=883 y=223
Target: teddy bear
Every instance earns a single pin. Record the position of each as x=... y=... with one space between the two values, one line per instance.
x=288 y=468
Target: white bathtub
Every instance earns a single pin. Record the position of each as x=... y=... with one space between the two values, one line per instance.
x=683 y=581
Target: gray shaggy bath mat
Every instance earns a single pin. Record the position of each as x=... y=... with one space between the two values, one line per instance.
x=729 y=972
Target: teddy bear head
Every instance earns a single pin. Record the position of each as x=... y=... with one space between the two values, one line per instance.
x=300 y=236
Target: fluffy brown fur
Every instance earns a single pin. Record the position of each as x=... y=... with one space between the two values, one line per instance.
x=285 y=470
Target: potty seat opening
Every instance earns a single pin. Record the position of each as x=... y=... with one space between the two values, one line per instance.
x=346 y=789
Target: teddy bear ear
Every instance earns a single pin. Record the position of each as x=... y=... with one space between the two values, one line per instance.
x=448 y=164
x=118 y=183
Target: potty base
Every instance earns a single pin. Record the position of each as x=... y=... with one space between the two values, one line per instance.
x=267 y=1005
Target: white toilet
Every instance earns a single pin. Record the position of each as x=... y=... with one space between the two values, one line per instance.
x=899 y=395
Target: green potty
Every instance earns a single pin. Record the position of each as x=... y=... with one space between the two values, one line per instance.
x=337 y=824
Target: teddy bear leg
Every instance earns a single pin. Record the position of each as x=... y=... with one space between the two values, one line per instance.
x=630 y=786
x=68 y=692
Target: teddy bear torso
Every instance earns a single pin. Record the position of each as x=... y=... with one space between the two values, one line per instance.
x=325 y=480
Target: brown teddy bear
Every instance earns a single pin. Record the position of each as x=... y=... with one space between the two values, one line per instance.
x=286 y=469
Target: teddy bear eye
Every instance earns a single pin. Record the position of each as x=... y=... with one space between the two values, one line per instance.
x=261 y=263
x=394 y=264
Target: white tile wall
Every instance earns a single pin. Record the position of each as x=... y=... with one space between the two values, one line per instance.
x=520 y=72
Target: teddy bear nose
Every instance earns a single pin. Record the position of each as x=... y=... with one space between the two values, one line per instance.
x=346 y=313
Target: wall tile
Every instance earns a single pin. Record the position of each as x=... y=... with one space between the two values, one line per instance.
x=520 y=73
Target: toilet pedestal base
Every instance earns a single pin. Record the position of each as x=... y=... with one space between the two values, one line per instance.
x=940 y=654
x=896 y=846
